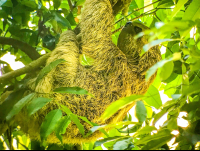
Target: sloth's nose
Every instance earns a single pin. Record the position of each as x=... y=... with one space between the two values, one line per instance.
x=128 y=24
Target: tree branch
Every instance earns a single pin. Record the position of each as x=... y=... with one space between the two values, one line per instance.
x=70 y=5
x=28 y=68
x=26 y=48
x=144 y=14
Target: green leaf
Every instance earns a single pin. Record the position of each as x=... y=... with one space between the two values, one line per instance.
x=95 y=128
x=65 y=109
x=19 y=105
x=80 y=2
x=61 y=127
x=122 y=144
x=56 y=3
x=121 y=103
x=61 y=20
x=178 y=7
x=105 y=140
x=157 y=143
x=93 y=124
x=36 y=104
x=166 y=70
x=193 y=87
x=152 y=97
x=191 y=13
x=85 y=60
x=141 y=112
x=2 y=2
x=75 y=119
x=146 y=47
x=165 y=3
x=49 y=123
x=70 y=18
x=154 y=68
x=9 y=102
x=47 y=69
x=161 y=134
x=145 y=130
x=72 y=90
x=7 y=3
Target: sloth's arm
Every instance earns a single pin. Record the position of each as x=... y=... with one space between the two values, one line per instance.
x=149 y=59
x=97 y=20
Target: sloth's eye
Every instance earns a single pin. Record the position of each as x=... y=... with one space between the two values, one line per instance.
x=137 y=29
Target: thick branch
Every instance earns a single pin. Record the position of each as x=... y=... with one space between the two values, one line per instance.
x=28 y=68
x=26 y=48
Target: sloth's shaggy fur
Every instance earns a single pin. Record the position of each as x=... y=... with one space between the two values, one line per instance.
x=114 y=74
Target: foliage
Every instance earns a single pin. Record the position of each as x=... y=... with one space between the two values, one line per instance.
x=39 y=23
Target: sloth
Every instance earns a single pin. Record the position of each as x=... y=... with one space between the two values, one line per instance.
x=116 y=72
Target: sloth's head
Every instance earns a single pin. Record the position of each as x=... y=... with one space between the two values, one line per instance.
x=127 y=44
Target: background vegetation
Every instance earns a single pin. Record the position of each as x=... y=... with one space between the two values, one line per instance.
x=29 y=28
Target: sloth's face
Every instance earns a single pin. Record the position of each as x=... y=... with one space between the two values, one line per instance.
x=127 y=44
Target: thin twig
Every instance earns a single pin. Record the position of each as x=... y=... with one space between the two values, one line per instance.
x=144 y=14
x=137 y=10
x=70 y=5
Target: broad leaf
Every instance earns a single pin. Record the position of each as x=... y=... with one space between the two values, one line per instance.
x=9 y=102
x=85 y=60
x=122 y=144
x=61 y=127
x=166 y=70
x=49 y=123
x=19 y=105
x=154 y=68
x=145 y=130
x=178 y=7
x=121 y=103
x=37 y=104
x=141 y=112
x=75 y=119
x=152 y=97
x=105 y=140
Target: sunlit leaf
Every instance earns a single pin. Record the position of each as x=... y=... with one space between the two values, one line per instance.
x=191 y=13
x=153 y=69
x=141 y=112
x=152 y=97
x=121 y=103
x=166 y=70
x=178 y=7
x=95 y=128
x=61 y=127
x=85 y=60
x=49 y=123
x=105 y=140
x=145 y=130
x=75 y=119
x=163 y=133
x=122 y=144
